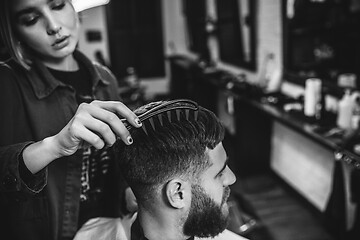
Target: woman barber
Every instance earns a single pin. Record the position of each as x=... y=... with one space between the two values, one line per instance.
x=59 y=118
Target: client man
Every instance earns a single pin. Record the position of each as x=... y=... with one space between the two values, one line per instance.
x=177 y=168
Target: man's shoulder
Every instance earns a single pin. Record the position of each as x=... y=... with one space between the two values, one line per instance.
x=103 y=228
x=225 y=235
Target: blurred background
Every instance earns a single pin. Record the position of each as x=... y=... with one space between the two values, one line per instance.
x=282 y=75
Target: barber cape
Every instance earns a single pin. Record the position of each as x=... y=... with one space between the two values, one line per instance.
x=120 y=229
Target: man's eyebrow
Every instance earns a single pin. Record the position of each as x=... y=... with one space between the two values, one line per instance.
x=223 y=168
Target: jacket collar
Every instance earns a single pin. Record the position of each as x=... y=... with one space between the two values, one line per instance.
x=43 y=83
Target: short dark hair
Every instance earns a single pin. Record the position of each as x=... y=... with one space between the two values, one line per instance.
x=172 y=149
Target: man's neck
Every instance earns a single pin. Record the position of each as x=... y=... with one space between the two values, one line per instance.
x=161 y=226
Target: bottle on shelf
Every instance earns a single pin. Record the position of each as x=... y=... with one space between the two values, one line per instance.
x=313 y=98
x=355 y=119
x=132 y=78
x=272 y=76
x=346 y=108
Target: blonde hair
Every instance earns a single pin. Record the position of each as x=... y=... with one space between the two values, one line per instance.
x=9 y=37
x=12 y=43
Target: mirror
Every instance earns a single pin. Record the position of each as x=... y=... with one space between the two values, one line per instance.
x=234 y=27
x=236 y=32
x=321 y=39
x=195 y=16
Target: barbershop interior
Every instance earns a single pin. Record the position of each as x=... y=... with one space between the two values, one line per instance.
x=283 y=76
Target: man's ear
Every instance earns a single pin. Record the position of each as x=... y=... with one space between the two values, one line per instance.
x=177 y=193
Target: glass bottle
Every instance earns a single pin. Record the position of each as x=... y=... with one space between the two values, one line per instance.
x=132 y=78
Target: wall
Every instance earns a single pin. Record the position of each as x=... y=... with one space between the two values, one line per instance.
x=94 y=19
x=175 y=35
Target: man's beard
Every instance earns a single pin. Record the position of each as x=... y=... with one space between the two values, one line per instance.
x=206 y=218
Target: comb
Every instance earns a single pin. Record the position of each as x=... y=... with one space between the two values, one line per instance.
x=164 y=109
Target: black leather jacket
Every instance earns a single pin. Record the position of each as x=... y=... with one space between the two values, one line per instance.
x=34 y=105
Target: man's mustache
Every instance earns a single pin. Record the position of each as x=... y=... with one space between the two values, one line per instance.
x=225 y=195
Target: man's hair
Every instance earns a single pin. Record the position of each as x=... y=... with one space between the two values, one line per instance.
x=174 y=148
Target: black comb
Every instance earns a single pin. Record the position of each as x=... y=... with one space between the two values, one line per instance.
x=158 y=110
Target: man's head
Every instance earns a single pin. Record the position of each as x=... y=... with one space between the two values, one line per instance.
x=181 y=165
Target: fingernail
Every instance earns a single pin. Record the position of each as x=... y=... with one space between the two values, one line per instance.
x=137 y=121
x=129 y=140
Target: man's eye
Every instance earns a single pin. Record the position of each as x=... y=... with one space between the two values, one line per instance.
x=59 y=6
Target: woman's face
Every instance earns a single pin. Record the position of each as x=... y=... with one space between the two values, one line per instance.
x=48 y=27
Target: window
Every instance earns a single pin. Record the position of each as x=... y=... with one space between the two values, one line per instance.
x=136 y=37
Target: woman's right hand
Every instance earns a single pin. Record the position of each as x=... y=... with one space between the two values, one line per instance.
x=97 y=124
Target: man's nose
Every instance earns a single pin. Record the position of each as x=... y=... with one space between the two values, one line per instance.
x=230 y=178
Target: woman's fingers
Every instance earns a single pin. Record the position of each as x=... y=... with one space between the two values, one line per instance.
x=103 y=122
x=119 y=109
x=103 y=119
x=90 y=137
x=98 y=124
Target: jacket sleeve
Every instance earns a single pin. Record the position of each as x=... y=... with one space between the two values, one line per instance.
x=11 y=179
x=112 y=89
x=13 y=140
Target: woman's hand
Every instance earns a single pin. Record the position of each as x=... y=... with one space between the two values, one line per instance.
x=97 y=124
